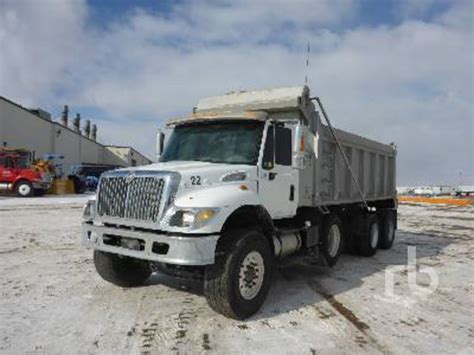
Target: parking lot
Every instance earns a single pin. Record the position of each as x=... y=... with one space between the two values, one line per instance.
x=53 y=301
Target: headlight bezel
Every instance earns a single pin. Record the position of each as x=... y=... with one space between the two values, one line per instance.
x=191 y=218
x=88 y=212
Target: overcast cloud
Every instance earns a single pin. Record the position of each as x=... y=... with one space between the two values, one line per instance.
x=409 y=81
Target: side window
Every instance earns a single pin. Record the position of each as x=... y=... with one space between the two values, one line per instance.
x=9 y=163
x=283 y=146
x=2 y=162
x=267 y=162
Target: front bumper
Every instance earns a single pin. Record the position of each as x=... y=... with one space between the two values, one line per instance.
x=44 y=185
x=171 y=249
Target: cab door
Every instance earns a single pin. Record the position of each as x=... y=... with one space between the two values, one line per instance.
x=278 y=180
x=7 y=173
x=7 y=169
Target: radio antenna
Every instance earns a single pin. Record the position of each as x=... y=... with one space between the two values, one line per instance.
x=307 y=64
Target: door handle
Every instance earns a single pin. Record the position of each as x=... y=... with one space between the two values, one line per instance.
x=272 y=176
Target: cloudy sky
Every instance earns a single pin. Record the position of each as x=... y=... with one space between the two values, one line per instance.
x=390 y=70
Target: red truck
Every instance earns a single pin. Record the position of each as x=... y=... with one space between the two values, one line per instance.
x=17 y=174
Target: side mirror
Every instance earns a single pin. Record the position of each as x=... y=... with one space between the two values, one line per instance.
x=300 y=161
x=269 y=150
x=300 y=157
x=160 y=143
x=304 y=147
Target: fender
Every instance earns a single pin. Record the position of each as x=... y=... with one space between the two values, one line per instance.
x=251 y=216
x=227 y=198
x=30 y=176
x=20 y=178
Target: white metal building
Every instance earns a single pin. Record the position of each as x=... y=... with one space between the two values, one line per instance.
x=33 y=129
x=124 y=156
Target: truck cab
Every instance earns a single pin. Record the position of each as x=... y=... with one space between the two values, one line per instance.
x=242 y=155
x=240 y=184
x=17 y=174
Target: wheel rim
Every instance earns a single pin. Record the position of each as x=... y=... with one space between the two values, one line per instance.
x=252 y=271
x=334 y=240
x=374 y=235
x=24 y=189
x=390 y=229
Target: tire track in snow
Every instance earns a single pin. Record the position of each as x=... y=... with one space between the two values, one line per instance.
x=169 y=333
x=350 y=316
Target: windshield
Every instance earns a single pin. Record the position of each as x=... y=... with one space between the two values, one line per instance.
x=216 y=142
x=23 y=163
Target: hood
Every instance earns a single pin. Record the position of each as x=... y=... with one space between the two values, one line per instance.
x=196 y=173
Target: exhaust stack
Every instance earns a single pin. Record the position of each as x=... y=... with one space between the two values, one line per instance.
x=64 y=115
x=94 y=132
x=77 y=123
x=87 y=129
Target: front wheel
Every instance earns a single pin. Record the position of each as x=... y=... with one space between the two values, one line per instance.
x=24 y=189
x=121 y=270
x=238 y=283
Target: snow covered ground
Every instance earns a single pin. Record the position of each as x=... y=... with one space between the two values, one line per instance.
x=52 y=300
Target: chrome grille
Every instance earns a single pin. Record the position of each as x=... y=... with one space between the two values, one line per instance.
x=112 y=197
x=137 y=198
x=144 y=196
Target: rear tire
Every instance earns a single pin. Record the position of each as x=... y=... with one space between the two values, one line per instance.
x=121 y=270
x=331 y=239
x=238 y=283
x=369 y=235
x=388 y=222
x=24 y=189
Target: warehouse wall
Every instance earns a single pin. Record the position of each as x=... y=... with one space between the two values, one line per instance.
x=125 y=156
x=76 y=148
x=67 y=144
x=91 y=152
x=138 y=158
x=112 y=159
x=20 y=128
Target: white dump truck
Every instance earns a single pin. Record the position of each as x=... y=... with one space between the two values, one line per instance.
x=246 y=180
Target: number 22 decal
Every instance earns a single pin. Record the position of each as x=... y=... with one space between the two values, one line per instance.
x=195 y=180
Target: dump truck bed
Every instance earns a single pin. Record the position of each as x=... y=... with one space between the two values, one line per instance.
x=372 y=163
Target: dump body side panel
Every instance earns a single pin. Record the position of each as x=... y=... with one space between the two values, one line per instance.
x=372 y=163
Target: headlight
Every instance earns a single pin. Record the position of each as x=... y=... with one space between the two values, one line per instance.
x=204 y=216
x=89 y=210
x=192 y=218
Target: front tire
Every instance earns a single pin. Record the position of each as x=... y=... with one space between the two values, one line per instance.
x=121 y=270
x=24 y=189
x=238 y=283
